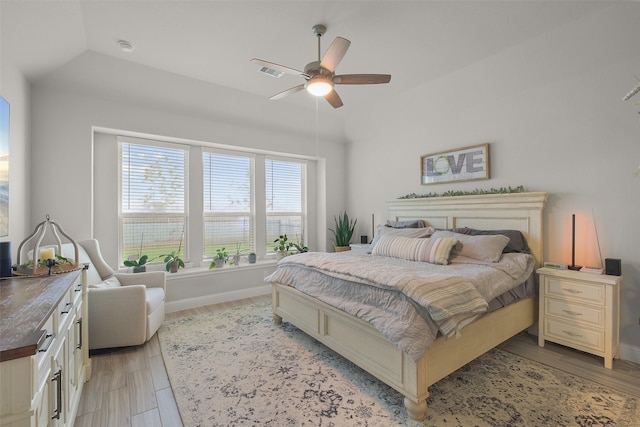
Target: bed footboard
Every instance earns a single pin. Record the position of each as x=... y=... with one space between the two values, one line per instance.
x=363 y=345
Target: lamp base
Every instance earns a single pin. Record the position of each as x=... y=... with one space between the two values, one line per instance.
x=574 y=267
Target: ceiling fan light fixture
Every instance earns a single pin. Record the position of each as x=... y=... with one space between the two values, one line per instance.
x=319 y=86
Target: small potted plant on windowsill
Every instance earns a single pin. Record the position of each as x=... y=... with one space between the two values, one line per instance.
x=173 y=261
x=138 y=262
x=220 y=259
x=343 y=231
x=283 y=246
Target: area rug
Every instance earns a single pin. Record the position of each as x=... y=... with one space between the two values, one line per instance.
x=235 y=367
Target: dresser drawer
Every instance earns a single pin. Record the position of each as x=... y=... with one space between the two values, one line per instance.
x=575 y=312
x=574 y=336
x=594 y=294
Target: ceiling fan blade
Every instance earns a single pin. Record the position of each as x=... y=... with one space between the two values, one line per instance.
x=335 y=53
x=266 y=66
x=361 y=79
x=334 y=99
x=288 y=92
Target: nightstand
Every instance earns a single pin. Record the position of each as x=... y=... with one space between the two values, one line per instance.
x=581 y=311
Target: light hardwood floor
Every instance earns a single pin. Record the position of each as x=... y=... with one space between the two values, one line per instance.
x=130 y=388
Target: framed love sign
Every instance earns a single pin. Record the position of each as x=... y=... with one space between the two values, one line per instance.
x=463 y=164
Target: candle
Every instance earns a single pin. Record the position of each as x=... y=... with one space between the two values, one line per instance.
x=47 y=253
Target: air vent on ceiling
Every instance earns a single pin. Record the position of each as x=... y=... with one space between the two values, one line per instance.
x=271 y=72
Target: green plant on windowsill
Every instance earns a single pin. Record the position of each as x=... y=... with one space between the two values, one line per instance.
x=283 y=245
x=138 y=262
x=172 y=261
x=219 y=259
x=300 y=246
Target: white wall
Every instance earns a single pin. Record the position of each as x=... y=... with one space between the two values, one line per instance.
x=552 y=110
x=15 y=89
x=69 y=110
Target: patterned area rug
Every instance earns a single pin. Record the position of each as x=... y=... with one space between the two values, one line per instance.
x=235 y=367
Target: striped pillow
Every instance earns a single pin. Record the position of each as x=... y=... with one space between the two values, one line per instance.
x=434 y=251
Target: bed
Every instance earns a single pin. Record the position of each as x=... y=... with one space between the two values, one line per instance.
x=361 y=343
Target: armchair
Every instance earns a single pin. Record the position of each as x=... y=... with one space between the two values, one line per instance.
x=124 y=308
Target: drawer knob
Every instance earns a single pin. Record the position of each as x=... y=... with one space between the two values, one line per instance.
x=573 y=291
x=572 y=334
x=67 y=308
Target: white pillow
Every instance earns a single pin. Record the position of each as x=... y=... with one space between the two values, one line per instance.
x=111 y=282
x=404 y=232
x=434 y=251
x=480 y=247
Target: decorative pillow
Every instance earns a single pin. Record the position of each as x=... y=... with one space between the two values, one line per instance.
x=111 y=282
x=434 y=251
x=404 y=232
x=517 y=242
x=416 y=223
x=483 y=248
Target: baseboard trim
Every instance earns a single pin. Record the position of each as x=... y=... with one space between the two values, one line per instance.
x=189 y=303
x=629 y=352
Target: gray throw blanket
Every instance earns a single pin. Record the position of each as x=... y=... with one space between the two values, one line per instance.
x=451 y=301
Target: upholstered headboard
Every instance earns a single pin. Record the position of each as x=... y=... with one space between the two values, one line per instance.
x=515 y=211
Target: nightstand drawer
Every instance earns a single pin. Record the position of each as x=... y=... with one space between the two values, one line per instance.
x=575 y=336
x=575 y=312
x=594 y=294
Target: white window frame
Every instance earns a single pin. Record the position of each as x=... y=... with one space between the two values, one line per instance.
x=194 y=209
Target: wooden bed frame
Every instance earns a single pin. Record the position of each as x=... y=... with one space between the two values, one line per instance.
x=359 y=342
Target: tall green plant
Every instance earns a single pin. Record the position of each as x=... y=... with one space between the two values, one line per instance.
x=343 y=229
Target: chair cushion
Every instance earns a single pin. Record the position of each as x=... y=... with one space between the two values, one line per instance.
x=155 y=297
x=111 y=282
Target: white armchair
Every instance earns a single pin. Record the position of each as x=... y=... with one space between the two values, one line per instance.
x=124 y=308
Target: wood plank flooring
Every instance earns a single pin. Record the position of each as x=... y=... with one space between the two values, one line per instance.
x=129 y=387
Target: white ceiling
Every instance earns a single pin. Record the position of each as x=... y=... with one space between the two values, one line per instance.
x=213 y=41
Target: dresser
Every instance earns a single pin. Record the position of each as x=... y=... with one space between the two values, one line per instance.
x=581 y=311
x=44 y=352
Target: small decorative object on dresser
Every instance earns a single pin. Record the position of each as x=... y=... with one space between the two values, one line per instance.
x=580 y=310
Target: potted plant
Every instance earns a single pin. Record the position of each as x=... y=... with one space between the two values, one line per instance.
x=138 y=262
x=343 y=231
x=235 y=259
x=283 y=245
x=173 y=261
x=300 y=246
x=221 y=257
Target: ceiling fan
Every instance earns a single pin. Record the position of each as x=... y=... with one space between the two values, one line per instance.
x=320 y=75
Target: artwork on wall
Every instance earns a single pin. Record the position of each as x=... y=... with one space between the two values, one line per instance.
x=4 y=167
x=462 y=164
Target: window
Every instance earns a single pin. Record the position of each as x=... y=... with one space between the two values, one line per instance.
x=229 y=215
x=285 y=181
x=237 y=200
x=153 y=195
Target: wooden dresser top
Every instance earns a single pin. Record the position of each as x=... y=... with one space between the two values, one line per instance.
x=25 y=305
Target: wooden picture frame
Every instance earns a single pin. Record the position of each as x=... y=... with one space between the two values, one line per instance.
x=463 y=164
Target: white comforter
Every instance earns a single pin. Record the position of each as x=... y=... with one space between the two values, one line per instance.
x=409 y=302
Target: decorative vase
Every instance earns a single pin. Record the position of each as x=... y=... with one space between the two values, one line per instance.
x=140 y=269
x=252 y=258
x=342 y=248
x=236 y=260
x=174 y=266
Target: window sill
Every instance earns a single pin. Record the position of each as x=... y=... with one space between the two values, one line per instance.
x=203 y=271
